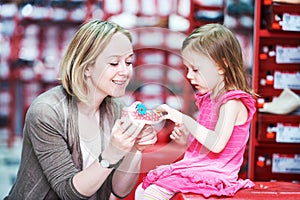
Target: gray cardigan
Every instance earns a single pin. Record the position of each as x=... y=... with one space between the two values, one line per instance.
x=51 y=154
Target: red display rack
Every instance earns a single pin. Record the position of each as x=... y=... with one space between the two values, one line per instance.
x=39 y=34
x=274 y=142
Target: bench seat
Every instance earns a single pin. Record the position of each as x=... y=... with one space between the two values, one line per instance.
x=262 y=190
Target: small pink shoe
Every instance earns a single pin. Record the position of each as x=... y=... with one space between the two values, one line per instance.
x=138 y=111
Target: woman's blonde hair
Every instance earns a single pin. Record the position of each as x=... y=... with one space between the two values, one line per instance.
x=218 y=43
x=88 y=42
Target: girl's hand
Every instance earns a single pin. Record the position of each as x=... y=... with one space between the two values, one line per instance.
x=147 y=137
x=180 y=134
x=170 y=113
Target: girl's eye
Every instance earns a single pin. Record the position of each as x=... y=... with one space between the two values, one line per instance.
x=193 y=69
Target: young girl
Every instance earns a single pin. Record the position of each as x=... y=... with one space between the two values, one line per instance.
x=217 y=140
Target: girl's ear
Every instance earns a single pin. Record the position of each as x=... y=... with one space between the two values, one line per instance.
x=225 y=62
x=222 y=70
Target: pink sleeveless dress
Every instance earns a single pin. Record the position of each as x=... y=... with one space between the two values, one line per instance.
x=202 y=171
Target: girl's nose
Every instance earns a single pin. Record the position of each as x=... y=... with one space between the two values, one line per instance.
x=189 y=74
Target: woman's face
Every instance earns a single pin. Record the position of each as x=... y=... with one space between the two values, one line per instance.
x=203 y=73
x=112 y=70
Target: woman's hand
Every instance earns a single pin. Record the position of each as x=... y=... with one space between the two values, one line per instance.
x=123 y=139
x=148 y=136
x=171 y=113
x=180 y=134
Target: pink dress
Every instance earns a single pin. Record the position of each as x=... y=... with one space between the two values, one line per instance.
x=202 y=171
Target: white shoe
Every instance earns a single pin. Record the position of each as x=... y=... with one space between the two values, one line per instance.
x=285 y=103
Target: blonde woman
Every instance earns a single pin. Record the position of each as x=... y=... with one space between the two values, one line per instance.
x=216 y=141
x=76 y=145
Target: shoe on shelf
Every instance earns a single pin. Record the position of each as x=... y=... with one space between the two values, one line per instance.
x=285 y=103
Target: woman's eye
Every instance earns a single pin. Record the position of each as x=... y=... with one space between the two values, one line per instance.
x=114 y=64
x=129 y=62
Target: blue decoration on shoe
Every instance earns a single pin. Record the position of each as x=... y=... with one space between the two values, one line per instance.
x=141 y=108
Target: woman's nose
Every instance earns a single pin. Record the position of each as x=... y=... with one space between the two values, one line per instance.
x=124 y=69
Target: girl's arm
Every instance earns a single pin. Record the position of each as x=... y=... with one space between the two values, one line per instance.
x=180 y=134
x=231 y=113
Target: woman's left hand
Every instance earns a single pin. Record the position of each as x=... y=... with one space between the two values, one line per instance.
x=148 y=136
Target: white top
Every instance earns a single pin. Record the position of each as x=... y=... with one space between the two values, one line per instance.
x=91 y=149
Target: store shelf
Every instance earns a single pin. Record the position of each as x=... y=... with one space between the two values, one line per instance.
x=274 y=149
x=204 y=12
x=34 y=35
x=41 y=31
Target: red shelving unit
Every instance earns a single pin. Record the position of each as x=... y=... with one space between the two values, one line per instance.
x=36 y=43
x=204 y=12
x=275 y=139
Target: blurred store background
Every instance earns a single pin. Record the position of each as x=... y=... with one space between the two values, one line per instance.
x=34 y=34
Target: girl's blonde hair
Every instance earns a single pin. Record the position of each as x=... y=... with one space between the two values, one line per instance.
x=218 y=43
x=88 y=42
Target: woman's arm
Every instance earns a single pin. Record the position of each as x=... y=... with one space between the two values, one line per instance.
x=45 y=128
x=46 y=132
x=230 y=113
x=124 y=134
x=88 y=181
x=126 y=176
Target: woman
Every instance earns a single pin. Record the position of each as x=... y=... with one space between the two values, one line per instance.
x=76 y=145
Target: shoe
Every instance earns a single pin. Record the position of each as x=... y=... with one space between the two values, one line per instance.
x=285 y=103
x=138 y=112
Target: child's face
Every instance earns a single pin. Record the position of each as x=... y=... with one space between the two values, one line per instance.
x=203 y=73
